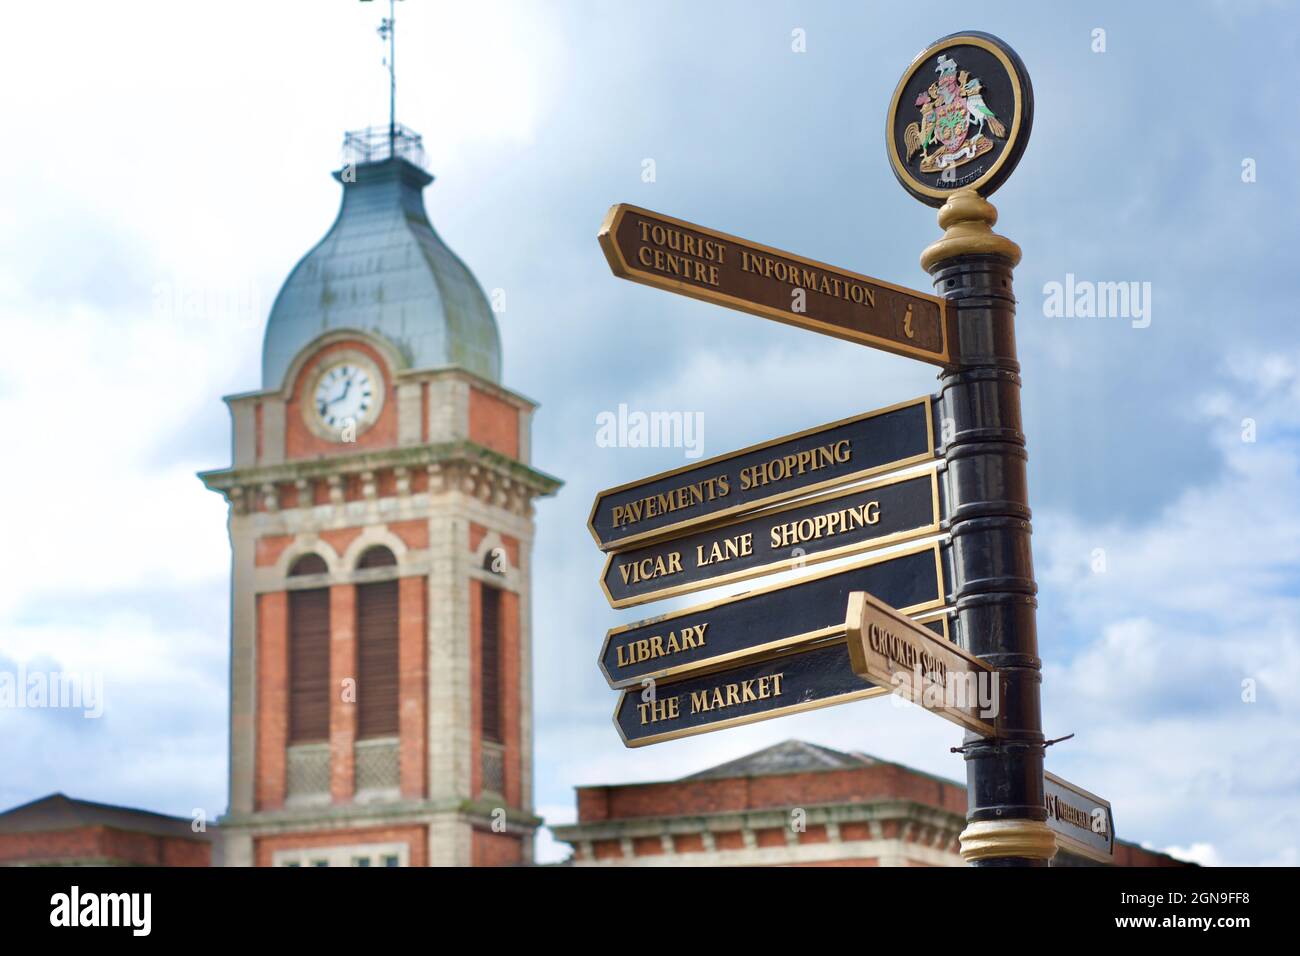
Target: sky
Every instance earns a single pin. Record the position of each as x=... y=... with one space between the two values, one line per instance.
x=167 y=164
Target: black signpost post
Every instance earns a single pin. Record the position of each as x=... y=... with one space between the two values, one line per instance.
x=940 y=158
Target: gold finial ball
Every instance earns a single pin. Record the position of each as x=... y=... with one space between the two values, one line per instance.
x=967 y=220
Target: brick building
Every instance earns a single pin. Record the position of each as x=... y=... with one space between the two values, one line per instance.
x=792 y=804
x=381 y=524
x=381 y=528
x=61 y=831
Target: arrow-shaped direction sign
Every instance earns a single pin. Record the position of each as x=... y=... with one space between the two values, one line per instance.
x=1083 y=821
x=839 y=523
x=824 y=457
x=667 y=253
x=791 y=682
x=894 y=651
x=768 y=619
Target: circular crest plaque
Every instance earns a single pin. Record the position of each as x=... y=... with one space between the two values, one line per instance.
x=960 y=117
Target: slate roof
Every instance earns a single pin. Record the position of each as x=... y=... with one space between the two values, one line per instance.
x=383 y=269
x=61 y=812
x=789 y=756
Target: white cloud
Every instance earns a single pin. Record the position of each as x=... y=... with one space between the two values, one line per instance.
x=159 y=741
x=1146 y=661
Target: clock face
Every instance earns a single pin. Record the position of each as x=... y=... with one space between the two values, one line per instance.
x=345 y=395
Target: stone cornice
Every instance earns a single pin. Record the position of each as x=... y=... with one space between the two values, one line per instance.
x=760 y=819
x=387 y=813
x=463 y=465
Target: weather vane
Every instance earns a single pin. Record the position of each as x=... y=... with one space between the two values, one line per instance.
x=387 y=31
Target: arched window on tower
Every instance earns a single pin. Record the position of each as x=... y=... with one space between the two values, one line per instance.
x=377 y=649
x=308 y=564
x=491 y=676
x=490 y=664
x=309 y=655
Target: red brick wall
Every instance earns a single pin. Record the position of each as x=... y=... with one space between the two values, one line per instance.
x=855 y=831
x=815 y=834
x=340 y=539
x=269 y=548
x=343 y=713
x=689 y=843
x=593 y=804
x=493 y=423
x=414 y=534
x=858 y=785
x=647 y=846
x=414 y=837
x=272 y=699
x=412 y=659
x=99 y=843
x=476 y=535
x=729 y=840
x=496 y=849
x=1126 y=855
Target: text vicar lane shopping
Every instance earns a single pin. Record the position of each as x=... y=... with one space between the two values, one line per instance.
x=785 y=535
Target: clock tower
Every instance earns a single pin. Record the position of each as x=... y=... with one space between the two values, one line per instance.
x=381 y=503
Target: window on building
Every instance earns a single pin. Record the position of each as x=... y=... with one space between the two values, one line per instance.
x=352 y=854
x=377 y=557
x=308 y=564
x=309 y=657
x=377 y=650
x=490 y=664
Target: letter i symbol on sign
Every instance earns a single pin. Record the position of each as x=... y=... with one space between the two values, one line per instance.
x=907 y=322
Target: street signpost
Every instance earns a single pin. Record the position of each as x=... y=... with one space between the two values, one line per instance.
x=802 y=678
x=956 y=127
x=770 y=618
x=893 y=651
x=1083 y=822
x=833 y=525
x=666 y=253
x=764 y=474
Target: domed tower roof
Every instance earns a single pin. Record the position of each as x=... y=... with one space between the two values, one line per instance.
x=383 y=269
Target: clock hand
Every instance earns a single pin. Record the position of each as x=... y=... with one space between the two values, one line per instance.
x=341 y=395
